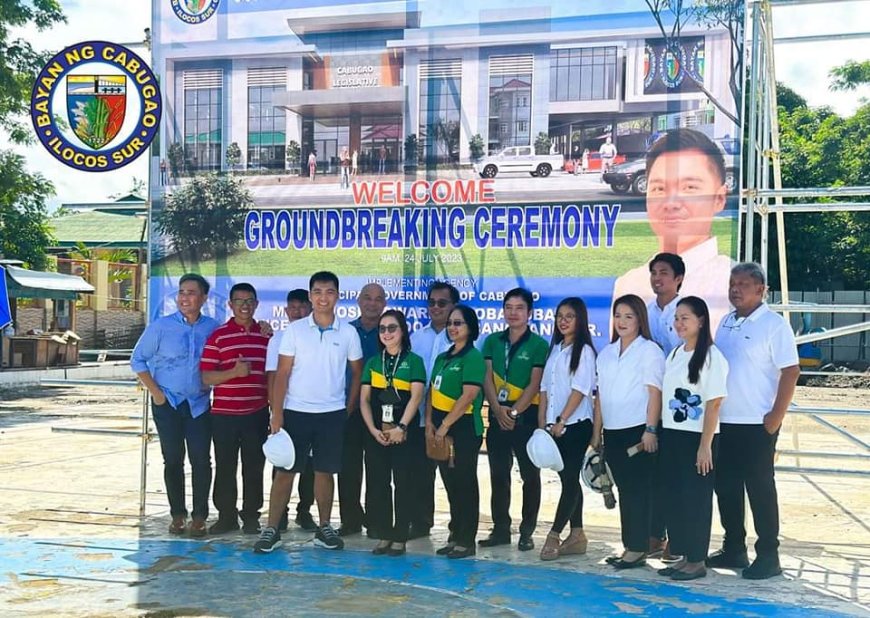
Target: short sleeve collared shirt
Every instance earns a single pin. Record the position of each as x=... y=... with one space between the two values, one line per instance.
x=450 y=373
x=512 y=365
x=558 y=382
x=623 y=380
x=757 y=347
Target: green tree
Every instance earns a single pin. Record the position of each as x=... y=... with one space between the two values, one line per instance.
x=24 y=229
x=175 y=153
x=205 y=216
x=850 y=75
x=293 y=153
x=819 y=148
x=542 y=143
x=20 y=63
x=476 y=147
x=25 y=232
x=234 y=155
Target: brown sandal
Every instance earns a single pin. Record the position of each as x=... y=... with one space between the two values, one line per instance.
x=550 y=550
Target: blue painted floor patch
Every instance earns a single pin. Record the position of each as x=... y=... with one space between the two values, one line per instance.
x=225 y=578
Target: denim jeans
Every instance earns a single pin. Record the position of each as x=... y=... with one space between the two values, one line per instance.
x=175 y=427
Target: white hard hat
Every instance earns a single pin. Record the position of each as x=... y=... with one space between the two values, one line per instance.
x=278 y=449
x=544 y=452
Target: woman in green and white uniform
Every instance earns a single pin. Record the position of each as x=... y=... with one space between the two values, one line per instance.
x=392 y=389
x=453 y=409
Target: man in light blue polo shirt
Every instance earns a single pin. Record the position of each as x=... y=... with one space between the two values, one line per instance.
x=166 y=360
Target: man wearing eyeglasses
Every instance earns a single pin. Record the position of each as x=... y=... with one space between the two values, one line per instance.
x=234 y=361
x=760 y=348
x=371 y=302
x=428 y=342
x=686 y=190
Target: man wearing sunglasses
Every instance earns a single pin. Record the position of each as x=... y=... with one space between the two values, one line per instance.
x=234 y=362
x=371 y=302
x=428 y=342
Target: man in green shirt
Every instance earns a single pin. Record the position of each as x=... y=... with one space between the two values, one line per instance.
x=515 y=359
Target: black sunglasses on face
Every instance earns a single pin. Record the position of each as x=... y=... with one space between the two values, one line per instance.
x=438 y=302
x=455 y=323
x=388 y=328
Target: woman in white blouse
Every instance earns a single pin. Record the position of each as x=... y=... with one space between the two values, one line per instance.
x=565 y=411
x=629 y=406
x=692 y=392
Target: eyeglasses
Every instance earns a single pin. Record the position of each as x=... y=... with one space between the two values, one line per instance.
x=738 y=322
x=439 y=302
x=565 y=318
x=455 y=323
x=244 y=302
x=388 y=328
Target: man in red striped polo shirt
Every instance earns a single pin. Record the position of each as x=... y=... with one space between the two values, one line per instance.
x=234 y=361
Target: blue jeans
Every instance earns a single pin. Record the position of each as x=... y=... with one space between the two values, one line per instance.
x=175 y=427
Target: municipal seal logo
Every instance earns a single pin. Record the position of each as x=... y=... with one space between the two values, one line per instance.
x=671 y=64
x=111 y=106
x=194 y=11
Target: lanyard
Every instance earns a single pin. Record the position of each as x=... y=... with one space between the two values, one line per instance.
x=390 y=373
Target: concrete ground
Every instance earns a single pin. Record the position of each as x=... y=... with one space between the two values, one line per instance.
x=72 y=542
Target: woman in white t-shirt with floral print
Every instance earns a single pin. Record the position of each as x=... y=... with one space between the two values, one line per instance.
x=692 y=392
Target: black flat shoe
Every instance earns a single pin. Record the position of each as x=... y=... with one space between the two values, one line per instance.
x=446 y=549
x=685 y=576
x=667 y=571
x=381 y=550
x=494 y=541
x=612 y=559
x=625 y=564
x=397 y=551
x=461 y=553
x=526 y=543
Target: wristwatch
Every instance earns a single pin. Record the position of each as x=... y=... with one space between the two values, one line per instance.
x=651 y=429
x=402 y=426
x=558 y=420
x=514 y=413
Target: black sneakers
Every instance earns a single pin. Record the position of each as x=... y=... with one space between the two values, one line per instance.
x=327 y=538
x=269 y=539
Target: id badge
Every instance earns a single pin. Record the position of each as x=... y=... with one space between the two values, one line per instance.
x=437 y=382
x=386 y=413
x=502 y=395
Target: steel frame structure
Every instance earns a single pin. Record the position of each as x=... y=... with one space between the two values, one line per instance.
x=763 y=194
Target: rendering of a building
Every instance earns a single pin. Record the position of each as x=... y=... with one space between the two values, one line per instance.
x=394 y=84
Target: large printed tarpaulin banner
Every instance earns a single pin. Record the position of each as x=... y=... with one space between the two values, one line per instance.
x=489 y=143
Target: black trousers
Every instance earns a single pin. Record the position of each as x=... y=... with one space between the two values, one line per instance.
x=632 y=476
x=460 y=481
x=746 y=463
x=351 y=476
x=423 y=515
x=232 y=435
x=657 y=527
x=501 y=447
x=390 y=487
x=572 y=446
x=689 y=495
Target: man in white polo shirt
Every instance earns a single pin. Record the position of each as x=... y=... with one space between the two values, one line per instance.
x=308 y=401
x=666 y=273
x=759 y=346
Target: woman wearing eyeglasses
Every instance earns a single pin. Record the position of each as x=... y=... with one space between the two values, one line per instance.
x=392 y=389
x=566 y=412
x=629 y=406
x=692 y=392
x=453 y=409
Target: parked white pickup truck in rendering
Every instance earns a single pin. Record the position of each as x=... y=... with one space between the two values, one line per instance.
x=518 y=159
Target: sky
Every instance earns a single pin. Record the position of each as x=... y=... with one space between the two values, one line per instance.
x=802 y=66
